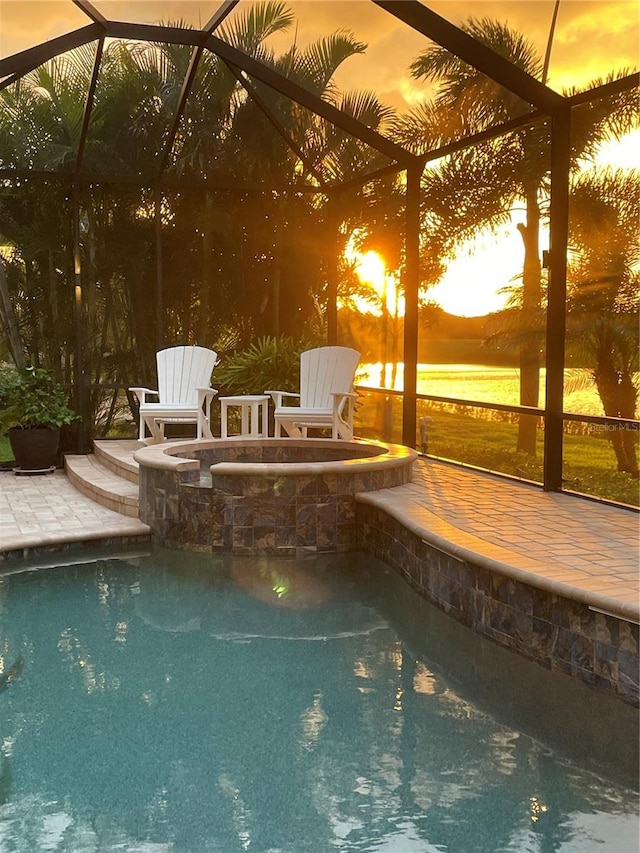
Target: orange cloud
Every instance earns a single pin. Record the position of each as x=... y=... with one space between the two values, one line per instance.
x=582 y=46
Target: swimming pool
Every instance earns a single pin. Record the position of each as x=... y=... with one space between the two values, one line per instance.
x=176 y=703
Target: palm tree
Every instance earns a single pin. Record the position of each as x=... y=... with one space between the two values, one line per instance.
x=603 y=302
x=513 y=169
x=304 y=150
x=41 y=119
x=40 y=124
x=264 y=252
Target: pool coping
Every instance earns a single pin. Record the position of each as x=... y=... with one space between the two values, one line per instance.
x=163 y=456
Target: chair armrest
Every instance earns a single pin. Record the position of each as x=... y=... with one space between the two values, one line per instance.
x=205 y=396
x=340 y=400
x=203 y=393
x=141 y=393
x=343 y=426
x=278 y=396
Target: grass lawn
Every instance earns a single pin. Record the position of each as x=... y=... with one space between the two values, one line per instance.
x=5 y=450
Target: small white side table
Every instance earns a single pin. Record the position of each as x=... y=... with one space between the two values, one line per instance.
x=254 y=414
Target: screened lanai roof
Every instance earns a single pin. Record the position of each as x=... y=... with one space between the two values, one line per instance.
x=391 y=35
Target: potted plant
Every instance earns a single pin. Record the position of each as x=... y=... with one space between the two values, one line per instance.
x=33 y=408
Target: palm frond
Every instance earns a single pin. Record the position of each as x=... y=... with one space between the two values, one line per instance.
x=253 y=25
x=476 y=100
x=316 y=65
x=439 y=64
x=420 y=128
x=367 y=108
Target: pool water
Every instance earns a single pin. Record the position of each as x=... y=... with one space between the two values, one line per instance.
x=173 y=703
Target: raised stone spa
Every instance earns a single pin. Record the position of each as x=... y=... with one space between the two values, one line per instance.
x=275 y=495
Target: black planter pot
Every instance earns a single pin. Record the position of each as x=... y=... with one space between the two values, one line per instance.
x=35 y=449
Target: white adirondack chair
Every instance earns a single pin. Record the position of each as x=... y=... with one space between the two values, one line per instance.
x=184 y=393
x=326 y=397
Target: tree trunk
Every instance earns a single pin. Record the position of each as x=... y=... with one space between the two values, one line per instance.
x=208 y=278
x=278 y=251
x=529 y=349
x=619 y=399
x=33 y=315
x=13 y=335
x=275 y=296
x=384 y=403
x=55 y=362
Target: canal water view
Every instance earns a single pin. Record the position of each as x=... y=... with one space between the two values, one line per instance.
x=482 y=383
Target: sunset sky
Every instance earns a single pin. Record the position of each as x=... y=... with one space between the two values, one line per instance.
x=592 y=39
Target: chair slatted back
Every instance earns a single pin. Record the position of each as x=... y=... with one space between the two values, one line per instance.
x=323 y=371
x=181 y=371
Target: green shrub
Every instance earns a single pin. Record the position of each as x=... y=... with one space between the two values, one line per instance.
x=31 y=398
x=268 y=364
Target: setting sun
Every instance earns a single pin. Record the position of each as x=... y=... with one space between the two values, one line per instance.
x=473 y=285
x=623 y=153
x=371 y=269
x=477 y=280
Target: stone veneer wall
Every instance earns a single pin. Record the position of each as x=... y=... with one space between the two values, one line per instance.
x=557 y=632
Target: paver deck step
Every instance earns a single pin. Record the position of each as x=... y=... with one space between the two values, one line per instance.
x=102 y=485
x=117 y=456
